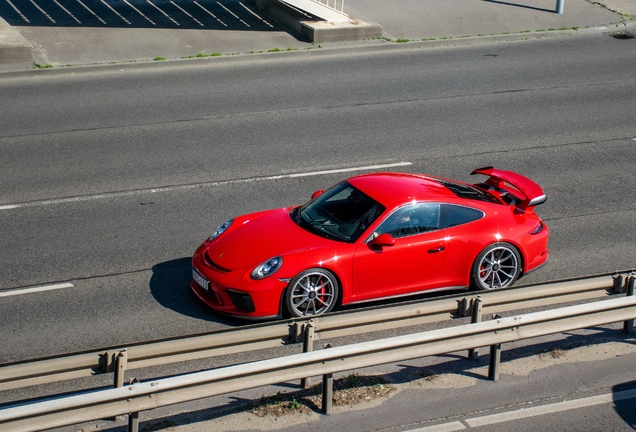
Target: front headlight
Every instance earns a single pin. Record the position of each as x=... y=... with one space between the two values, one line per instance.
x=269 y=267
x=221 y=229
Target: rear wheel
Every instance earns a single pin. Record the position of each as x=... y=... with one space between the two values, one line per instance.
x=312 y=292
x=497 y=266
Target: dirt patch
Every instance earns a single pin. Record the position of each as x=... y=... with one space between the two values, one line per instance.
x=348 y=391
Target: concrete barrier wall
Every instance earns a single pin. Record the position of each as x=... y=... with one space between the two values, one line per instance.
x=14 y=48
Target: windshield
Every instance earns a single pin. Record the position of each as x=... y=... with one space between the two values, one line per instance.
x=342 y=213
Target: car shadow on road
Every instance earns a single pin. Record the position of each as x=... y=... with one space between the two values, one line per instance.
x=624 y=402
x=170 y=286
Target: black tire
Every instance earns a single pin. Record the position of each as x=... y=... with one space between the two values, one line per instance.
x=497 y=266
x=312 y=292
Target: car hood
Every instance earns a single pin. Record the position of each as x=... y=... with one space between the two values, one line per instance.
x=254 y=238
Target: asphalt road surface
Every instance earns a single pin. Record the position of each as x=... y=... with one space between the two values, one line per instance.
x=109 y=180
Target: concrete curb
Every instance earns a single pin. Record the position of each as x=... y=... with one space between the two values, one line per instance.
x=14 y=48
x=374 y=47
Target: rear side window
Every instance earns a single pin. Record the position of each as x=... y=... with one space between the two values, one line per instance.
x=453 y=215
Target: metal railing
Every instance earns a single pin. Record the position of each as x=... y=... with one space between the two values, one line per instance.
x=337 y=5
x=329 y=10
x=118 y=360
x=138 y=397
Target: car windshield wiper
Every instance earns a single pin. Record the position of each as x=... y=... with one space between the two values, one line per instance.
x=317 y=226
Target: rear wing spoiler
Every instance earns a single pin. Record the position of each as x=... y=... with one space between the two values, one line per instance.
x=529 y=193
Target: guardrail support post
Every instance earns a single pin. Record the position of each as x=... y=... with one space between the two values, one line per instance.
x=308 y=346
x=619 y=287
x=495 y=358
x=296 y=332
x=628 y=326
x=121 y=363
x=473 y=353
x=327 y=394
x=133 y=422
x=105 y=362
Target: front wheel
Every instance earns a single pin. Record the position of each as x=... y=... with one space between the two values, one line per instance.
x=497 y=266
x=312 y=292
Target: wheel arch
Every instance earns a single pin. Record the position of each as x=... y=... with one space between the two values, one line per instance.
x=512 y=243
x=334 y=273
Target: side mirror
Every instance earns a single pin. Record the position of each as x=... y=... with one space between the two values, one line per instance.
x=382 y=240
x=317 y=193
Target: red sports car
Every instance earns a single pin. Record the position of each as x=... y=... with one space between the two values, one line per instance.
x=373 y=236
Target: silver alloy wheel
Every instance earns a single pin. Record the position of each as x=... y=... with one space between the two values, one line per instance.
x=497 y=267
x=312 y=292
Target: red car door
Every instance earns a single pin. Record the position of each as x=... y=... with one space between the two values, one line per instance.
x=407 y=266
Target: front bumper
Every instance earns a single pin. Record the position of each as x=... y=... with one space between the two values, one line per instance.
x=235 y=293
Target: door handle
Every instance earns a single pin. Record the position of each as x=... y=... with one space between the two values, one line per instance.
x=435 y=250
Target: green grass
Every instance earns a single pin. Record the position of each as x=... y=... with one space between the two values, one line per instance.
x=41 y=66
x=274 y=50
x=160 y=58
x=402 y=40
x=353 y=381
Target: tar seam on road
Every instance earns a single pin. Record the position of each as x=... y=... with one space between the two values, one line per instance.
x=196 y=185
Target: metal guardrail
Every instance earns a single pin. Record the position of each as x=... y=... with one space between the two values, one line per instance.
x=145 y=396
x=120 y=359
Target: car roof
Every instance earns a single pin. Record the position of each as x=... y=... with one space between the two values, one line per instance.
x=393 y=188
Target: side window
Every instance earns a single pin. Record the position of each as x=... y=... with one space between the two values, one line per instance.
x=453 y=215
x=411 y=219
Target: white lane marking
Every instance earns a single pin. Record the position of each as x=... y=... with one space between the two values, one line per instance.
x=197 y=185
x=253 y=13
x=334 y=171
x=552 y=408
x=116 y=13
x=67 y=11
x=213 y=16
x=165 y=14
x=42 y=10
x=18 y=12
x=185 y=12
x=35 y=289
x=446 y=427
x=233 y=14
x=94 y=14
x=140 y=13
